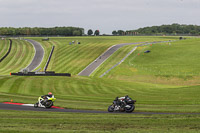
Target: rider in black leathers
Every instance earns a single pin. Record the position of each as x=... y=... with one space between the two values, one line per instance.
x=120 y=101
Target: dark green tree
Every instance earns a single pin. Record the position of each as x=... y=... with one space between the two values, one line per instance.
x=114 y=32
x=63 y=31
x=96 y=33
x=90 y=32
x=76 y=33
x=173 y=29
x=120 y=32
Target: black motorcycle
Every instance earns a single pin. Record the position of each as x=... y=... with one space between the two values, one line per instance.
x=122 y=104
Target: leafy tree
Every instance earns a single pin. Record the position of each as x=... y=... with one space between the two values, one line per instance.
x=96 y=33
x=120 y=32
x=90 y=32
x=172 y=29
x=63 y=31
x=114 y=32
x=76 y=33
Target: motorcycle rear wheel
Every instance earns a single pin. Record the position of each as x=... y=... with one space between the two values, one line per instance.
x=36 y=105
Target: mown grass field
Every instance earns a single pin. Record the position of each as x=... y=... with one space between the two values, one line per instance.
x=164 y=80
x=4 y=46
x=174 y=63
x=97 y=94
x=42 y=122
x=74 y=58
x=20 y=57
x=114 y=59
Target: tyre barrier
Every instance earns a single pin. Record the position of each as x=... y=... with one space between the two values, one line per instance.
x=46 y=66
x=48 y=73
x=7 y=51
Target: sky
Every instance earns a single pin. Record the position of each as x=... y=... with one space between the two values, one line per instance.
x=103 y=15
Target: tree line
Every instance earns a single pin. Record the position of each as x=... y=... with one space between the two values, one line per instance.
x=39 y=31
x=173 y=29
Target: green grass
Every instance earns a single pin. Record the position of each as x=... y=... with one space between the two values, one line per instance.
x=98 y=94
x=74 y=58
x=164 y=80
x=28 y=121
x=112 y=60
x=153 y=92
x=175 y=64
x=4 y=46
x=47 y=49
x=20 y=57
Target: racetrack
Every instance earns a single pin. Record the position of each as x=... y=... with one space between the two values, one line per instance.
x=4 y=106
x=29 y=108
x=96 y=63
x=39 y=54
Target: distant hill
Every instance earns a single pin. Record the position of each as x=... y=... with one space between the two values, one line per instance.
x=173 y=29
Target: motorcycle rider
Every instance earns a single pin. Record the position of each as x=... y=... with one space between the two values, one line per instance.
x=122 y=104
x=120 y=101
x=46 y=97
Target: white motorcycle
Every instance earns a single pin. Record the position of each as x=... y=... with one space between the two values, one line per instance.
x=46 y=102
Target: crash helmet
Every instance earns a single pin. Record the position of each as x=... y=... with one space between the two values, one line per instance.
x=50 y=94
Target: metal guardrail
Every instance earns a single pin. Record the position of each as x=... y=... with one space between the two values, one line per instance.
x=7 y=51
x=50 y=55
x=48 y=73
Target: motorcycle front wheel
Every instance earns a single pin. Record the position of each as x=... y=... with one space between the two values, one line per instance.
x=110 y=108
x=131 y=109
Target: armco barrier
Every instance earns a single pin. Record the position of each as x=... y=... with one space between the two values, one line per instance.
x=7 y=51
x=50 y=73
x=46 y=66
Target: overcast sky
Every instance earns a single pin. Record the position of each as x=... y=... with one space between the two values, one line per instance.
x=104 y=15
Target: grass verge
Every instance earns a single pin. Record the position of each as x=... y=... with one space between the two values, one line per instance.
x=29 y=121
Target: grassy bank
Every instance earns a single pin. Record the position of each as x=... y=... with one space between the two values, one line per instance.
x=97 y=94
x=164 y=80
x=20 y=57
x=74 y=58
x=4 y=46
x=168 y=63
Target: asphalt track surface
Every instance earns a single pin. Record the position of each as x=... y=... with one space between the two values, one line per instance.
x=39 y=54
x=96 y=63
x=29 y=108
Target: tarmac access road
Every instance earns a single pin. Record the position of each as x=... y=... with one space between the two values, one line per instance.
x=31 y=108
x=38 y=57
x=96 y=63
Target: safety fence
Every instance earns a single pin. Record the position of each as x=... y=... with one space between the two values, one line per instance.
x=50 y=55
x=7 y=51
x=48 y=73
